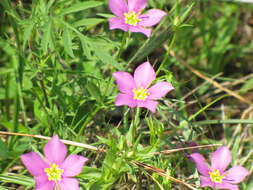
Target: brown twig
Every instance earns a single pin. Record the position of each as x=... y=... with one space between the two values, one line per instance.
x=186 y=148
x=161 y=173
x=216 y=84
x=48 y=138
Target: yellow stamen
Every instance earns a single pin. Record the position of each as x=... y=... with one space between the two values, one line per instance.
x=131 y=18
x=140 y=93
x=216 y=177
x=54 y=172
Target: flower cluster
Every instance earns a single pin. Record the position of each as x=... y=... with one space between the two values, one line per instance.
x=55 y=170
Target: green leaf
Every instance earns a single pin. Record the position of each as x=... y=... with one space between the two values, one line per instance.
x=104 y=56
x=9 y=126
x=68 y=42
x=150 y=45
x=18 y=179
x=46 y=36
x=81 y=6
x=3 y=150
x=27 y=32
x=105 y=15
x=88 y=22
x=94 y=91
x=85 y=46
x=185 y=13
x=248 y=85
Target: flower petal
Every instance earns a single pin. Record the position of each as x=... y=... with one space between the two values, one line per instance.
x=118 y=7
x=206 y=182
x=42 y=183
x=236 y=174
x=200 y=164
x=149 y=104
x=72 y=165
x=152 y=17
x=55 y=151
x=159 y=90
x=117 y=23
x=34 y=163
x=136 y=5
x=221 y=159
x=125 y=99
x=69 y=183
x=125 y=82
x=139 y=28
x=226 y=185
x=144 y=75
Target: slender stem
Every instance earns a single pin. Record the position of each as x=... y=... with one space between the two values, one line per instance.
x=123 y=42
x=132 y=127
x=227 y=121
x=7 y=100
x=51 y=123
x=87 y=121
x=167 y=54
x=135 y=122
x=39 y=75
x=125 y=118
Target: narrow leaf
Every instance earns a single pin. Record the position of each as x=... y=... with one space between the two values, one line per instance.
x=27 y=32
x=67 y=42
x=46 y=36
x=81 y=6
x=88 y=22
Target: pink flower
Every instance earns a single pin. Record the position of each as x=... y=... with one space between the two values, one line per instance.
x=134 y=91
x=129 y=16
x=216 y=176
x=54 y=171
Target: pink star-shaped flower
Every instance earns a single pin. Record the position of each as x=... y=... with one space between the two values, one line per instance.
x=135 y=91
x=129 y=16
x=55 y=170
x=216 y=176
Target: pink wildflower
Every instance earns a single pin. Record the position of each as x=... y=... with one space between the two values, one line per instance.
x=216 y=176
x=134 y=91
x=54 y=171
x=129 y=16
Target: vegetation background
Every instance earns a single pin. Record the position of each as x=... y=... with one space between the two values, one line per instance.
x=56 y=61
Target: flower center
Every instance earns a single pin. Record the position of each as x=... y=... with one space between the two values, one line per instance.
x=140 y=93
x=131 y=18
x=54 y=172
x=215 y=176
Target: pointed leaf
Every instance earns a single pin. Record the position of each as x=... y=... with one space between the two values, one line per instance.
x=68 y=42
x=88 y=22
x=81 y=6
x=46 y=36
x=27 y=32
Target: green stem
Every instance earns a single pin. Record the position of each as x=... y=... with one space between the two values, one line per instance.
x=135 y=123
x=227 y=121
x=167 y=54
x=86 y=122
x=207 y=106
x=125 y=118
x=123 y=43
x=7 y=100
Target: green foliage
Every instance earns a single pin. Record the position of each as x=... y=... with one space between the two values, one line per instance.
x=56 y=65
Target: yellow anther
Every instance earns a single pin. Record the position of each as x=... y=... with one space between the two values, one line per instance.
x=140 y=93
x=131 y=18
x=215 y=176
x=54 y=172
